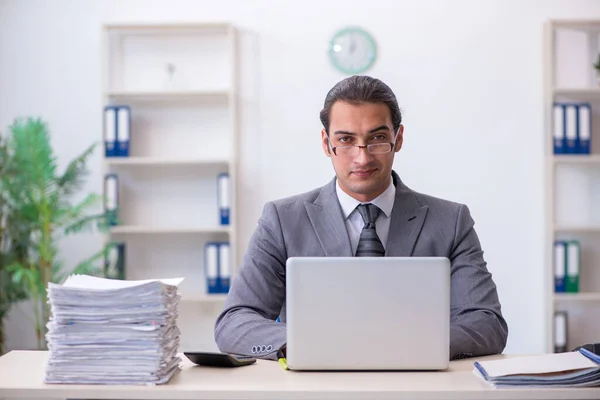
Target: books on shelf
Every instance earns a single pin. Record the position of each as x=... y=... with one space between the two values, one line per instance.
x=571 y=369
x=572 y=128
x=217 y=267
x=105 y=331
x=117 y=130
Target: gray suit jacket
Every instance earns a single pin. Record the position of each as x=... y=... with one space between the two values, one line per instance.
x=312 y=224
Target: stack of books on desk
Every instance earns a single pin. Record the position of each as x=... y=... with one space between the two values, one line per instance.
x=571 y=369
x=105 y=331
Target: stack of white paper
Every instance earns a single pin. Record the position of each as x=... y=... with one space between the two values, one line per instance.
x=105 y=331
x=572 y=369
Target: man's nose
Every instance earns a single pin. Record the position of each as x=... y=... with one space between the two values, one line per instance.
x=363 y=156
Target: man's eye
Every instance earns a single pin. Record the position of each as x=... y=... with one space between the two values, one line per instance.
x=380 y=137
x=345 y=139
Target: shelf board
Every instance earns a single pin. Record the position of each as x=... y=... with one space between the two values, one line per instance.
x=132 y=229
x=590 y=296
x=167 y=95
x=156 y=161
x=157 y=28
x=580 y=94
x=577 y=229
x=204 y=298
x=586 y=159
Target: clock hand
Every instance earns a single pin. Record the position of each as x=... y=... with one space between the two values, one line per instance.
x=352 y=43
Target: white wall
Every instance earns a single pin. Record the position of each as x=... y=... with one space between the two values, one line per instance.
x=468 y=75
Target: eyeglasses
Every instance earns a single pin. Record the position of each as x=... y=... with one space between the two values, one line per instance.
x=375 y=148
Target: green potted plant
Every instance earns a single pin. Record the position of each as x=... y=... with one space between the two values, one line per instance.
x=15 y=239
x=43 y=197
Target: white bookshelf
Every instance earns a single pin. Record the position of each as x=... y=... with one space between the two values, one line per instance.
x=180 y=83
x=572 y=182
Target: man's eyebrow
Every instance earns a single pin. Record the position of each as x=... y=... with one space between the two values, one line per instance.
x=379 y=128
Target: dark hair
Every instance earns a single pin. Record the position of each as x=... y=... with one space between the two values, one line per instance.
x=359 y=90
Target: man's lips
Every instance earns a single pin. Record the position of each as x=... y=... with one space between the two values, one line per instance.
x=363 y=172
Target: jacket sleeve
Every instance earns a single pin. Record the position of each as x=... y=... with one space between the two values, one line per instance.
x=477 y=326
x=247 y=324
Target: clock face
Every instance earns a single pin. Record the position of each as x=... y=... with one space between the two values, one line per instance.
x=352 y=50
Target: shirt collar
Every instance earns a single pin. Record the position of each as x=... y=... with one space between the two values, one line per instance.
x=385 y=201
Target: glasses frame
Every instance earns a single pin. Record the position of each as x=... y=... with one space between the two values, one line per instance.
x=366 y=146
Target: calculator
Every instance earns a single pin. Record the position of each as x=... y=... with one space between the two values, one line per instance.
x=212 y=359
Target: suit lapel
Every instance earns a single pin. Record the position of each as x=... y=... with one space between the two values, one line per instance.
x=327 y=220
x=408 y=216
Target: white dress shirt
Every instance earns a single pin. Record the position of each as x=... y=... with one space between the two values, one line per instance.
x=354 y=221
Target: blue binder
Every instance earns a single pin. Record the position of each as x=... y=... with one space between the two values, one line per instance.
x=224 y=267
x=110 y=131
x=572 y=143
x=584 y=128
x=123 y=130
x=223 y=198
x=560 y=266
x=211 y=267
x=111 y=198
x=559 y=128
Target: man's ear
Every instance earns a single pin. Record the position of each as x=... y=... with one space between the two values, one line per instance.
x=325 y=143
x=399 y=138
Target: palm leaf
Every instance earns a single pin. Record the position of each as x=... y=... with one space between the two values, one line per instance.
x=73 y=177
x=87 y=224
x=32 y=153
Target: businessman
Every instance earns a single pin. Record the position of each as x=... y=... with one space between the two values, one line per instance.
x=365 y=210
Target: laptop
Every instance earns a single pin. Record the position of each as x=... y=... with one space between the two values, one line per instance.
x=368 y=313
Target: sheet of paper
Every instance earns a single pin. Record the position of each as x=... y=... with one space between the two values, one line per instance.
x=93 y=282
x=542 y=364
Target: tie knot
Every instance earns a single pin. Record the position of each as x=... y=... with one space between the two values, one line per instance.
x=369 y=213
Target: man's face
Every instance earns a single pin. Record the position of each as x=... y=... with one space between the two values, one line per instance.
x=361 y=174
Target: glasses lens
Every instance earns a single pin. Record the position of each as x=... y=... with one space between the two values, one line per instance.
x=346 y=150
x=379 y=148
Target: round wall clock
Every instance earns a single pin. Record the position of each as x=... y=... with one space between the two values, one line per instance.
x=352 y=50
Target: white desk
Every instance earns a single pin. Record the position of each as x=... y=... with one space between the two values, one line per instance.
x=22 y=373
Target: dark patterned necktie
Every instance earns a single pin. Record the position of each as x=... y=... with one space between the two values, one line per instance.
x=369 y=244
